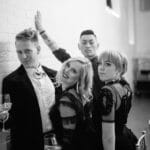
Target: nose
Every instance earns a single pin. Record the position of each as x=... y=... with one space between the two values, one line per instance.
x=23 y=56
x=88 y=44
x=101 y=67
x=66 y=70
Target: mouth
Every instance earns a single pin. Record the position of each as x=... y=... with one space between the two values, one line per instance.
x=26 y=60
x=65 y=75
x=102 y=74
x=88 y=51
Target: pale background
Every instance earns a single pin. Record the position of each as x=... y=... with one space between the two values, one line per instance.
x=126 y=28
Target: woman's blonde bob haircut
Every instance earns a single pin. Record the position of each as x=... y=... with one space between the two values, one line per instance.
x=85 y=81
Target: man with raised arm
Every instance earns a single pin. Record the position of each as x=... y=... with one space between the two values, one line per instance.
x=88 y=45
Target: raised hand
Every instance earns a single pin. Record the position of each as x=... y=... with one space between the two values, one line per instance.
x=38 y=21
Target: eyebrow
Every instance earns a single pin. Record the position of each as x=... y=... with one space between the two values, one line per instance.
x=87 y=39
x=107 y=61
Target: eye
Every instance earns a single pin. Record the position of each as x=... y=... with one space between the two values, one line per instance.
x=68 y=65
x=74 y=71
x=19 y=52
x=108 y=64
x=84 y=42
x=91 y=42
x=27 y=51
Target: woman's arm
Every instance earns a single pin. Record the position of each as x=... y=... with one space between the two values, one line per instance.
x=68 y=119
x=108 y=119
x=108 y=135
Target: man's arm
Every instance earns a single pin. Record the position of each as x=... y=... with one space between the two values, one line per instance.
x=59 y=53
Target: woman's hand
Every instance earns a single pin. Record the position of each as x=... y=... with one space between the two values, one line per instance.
x=38 y=22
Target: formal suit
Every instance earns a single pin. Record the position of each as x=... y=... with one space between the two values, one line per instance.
x=25 y=118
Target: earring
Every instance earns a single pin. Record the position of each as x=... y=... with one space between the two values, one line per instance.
x=77 y=87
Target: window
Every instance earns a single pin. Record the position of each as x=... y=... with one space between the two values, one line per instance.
x=113 y=7
x=109 y=3
x=145 y=5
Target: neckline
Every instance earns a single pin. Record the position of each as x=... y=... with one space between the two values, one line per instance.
x=71 y=87
x=112 y=81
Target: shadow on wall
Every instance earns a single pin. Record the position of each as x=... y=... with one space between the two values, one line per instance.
x=8 y=60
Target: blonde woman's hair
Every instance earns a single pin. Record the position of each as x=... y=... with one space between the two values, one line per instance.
x=85 y=82
x=112 y=56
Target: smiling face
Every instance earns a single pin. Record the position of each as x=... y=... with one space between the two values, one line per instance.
x=71 y=73
x=88 y=45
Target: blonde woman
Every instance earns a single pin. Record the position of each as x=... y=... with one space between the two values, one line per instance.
x=116 y=103
x=69 y=113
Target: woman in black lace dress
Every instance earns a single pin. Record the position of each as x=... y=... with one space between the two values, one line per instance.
x=116 y=98
x=71 y=115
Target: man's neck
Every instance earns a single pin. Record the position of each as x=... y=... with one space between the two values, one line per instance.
x=35 y=66
x=90 y=58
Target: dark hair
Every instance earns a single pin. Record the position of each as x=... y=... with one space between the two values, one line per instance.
x=27 y=35
x=87 y=32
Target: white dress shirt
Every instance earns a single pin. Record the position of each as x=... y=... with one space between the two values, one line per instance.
x=45 y=93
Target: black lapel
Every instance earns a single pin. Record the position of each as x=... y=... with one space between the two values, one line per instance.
x=23 y=77
x=51 y=73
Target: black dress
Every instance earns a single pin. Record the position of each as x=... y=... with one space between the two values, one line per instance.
x=74 y=129
x=62 y=55
x=118 y=95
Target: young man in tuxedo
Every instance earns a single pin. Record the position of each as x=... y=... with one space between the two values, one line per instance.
x=32 y=94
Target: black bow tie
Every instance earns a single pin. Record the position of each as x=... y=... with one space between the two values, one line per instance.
x=38 y=74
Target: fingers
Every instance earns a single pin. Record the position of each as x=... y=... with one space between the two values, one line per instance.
x=38 y=14
x=38 y=21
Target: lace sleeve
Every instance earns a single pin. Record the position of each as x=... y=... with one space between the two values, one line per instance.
x=68 y=119
x=61 y=54
x=67 y=113
x=108 y=104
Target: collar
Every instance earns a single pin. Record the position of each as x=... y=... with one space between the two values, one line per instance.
x=37 y=73
x=34 y=69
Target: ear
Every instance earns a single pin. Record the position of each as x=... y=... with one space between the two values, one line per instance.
x=79 y=46
x=118 y=74
x=97 y=45
x=38 y=49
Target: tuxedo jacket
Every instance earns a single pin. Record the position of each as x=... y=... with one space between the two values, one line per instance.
x=25 y=119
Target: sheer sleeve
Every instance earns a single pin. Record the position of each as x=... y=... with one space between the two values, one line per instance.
x=68 y=119
x=61 y=54
x=108 y=104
